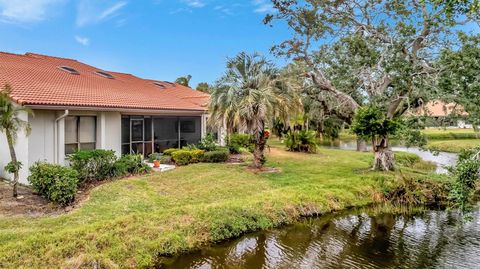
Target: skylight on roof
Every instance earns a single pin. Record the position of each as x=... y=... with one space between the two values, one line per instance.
x=160 y=85
x=69 y=69
x=104 y=74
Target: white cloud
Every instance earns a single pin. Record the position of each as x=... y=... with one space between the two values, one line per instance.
x=91 y=12
x=262 y=6
x=225 y=10
x=194 y=3
x=26 y=11
x=85 y=41
x=111 y=10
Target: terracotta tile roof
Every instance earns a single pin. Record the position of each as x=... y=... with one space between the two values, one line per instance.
x=440 y=109
x=37 y=80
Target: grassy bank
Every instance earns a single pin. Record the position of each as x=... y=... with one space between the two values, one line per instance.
x=454 y=146
x=450 y=134
x=431 y=134
x=128 y=223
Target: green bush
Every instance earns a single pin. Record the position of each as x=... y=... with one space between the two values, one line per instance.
x=130 y=164
x=218 y=156
x=207 y=143
x=54 y=182
x=301 y=141
x=197 y=155
x=182 y=157
x=190 y=147
x=168 y=152
x=237 y=141
x=166 y=160
x=13 y=167
x=93 y=164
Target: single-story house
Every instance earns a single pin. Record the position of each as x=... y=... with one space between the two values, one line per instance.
x=439 y=113
x=79 y=107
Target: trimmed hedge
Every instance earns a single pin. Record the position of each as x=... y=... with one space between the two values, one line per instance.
x=182 y=157
x=186 y=157
x=168 y=152
x=54 y=182
x=218 y=156
x=197 y=155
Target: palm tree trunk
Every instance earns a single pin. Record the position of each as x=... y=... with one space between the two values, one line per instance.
x=13 y=156
x=259 y=151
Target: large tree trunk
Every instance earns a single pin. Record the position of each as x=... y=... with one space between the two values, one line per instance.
x=13 y=156
x=384 y=158
x=259 y=151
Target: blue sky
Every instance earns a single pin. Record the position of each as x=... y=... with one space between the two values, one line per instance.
x=158 y=39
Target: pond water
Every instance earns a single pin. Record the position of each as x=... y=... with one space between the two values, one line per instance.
x=434 y=239
x=360 y=239
x=441 y=159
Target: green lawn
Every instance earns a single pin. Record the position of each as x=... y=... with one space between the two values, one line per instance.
x=128 y=223
x=452 y=145
x=450 y=134
x=432 y=134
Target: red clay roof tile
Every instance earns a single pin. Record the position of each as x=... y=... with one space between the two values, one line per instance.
x=37 y=80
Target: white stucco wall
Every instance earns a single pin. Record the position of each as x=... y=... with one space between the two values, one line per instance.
x=113 y=131
x=21 y=149
x=40 y=141
x=39 y=146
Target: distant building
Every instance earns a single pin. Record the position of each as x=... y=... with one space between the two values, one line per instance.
x=439 y=113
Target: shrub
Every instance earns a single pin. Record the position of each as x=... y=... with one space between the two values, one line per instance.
x=54 y=182
x=13 y=167
x=197 y=155
x=301 y=141
x=182 y=157
x=93 y=164
x=237 y=141
x=218 y=156
x=166 y=160
x=168 y=152
x=190 y=147
x=131 y=164
x=207 y=143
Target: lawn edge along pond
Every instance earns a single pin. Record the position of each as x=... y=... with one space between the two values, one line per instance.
x=135 y=222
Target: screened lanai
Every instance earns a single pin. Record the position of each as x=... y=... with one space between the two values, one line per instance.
x=149 y=134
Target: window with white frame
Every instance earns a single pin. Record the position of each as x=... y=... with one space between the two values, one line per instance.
x=80 y=133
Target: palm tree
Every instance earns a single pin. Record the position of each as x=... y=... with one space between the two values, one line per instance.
x=249 y=95
x=185 y=81
x=10 y=125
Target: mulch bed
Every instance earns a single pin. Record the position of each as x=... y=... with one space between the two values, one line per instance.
x=33 y=205
x=235 y=159
x=30 y=204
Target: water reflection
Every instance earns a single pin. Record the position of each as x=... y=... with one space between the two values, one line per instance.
x=435 y=239
x=442 y=159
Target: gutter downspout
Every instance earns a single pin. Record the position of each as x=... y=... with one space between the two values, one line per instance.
x=55 y=136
